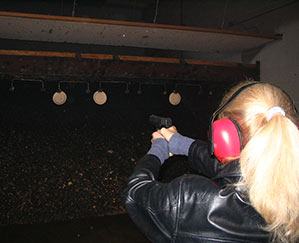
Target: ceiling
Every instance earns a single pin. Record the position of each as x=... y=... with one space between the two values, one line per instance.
x=259 y=16
x=197 y=32
x=202 y=26
x=121 y=33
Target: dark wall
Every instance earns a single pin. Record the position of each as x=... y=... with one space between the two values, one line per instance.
x=72 y=161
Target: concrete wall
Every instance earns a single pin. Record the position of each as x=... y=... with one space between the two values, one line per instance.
x=280 y=60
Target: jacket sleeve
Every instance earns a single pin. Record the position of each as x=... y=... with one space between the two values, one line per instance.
x=201 y=160
x=151 y=205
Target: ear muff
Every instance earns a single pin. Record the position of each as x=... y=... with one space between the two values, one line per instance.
x=224 y=134
x=226 y=139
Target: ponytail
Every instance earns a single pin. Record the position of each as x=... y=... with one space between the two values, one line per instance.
x=269 y=165
x=269 y=159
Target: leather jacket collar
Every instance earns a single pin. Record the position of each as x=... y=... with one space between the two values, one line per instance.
x=230 y=170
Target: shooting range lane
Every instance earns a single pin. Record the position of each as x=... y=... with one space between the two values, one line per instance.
x=66 y=165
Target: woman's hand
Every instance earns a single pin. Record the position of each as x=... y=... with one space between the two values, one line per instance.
x=159 y=146
x=155 y=135
x=167 y=133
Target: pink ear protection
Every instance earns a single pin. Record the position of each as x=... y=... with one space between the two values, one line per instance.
x=225 y=135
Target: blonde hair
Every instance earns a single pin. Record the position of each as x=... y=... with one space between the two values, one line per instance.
x=269 y=159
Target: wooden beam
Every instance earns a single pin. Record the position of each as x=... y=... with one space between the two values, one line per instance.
x=37 y=53
x=121 y=58
x=55 y=66
x=148 y=59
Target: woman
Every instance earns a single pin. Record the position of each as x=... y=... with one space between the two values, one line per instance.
x=250 y=196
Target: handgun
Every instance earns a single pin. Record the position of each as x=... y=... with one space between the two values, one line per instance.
x=160 y=122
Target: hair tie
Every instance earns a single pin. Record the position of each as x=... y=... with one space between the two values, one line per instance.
x=273 y=110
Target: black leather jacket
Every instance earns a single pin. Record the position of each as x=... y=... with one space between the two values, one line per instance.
x=192 y=208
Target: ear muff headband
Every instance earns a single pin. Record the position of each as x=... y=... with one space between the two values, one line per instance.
x=219 y=110
x=293 y=103
x=294 y=106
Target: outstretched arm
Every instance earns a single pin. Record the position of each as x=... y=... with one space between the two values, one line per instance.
x=196 y=150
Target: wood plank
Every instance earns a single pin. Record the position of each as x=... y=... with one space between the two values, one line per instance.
x=148 y=59
x=37 y=53
x=96 y=56
x=122 y=58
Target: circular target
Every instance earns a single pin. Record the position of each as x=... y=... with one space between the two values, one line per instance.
x=100 y=97
x=174 y=98
x=59 y=98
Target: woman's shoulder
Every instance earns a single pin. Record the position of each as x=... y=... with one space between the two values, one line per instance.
x=193 y=185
